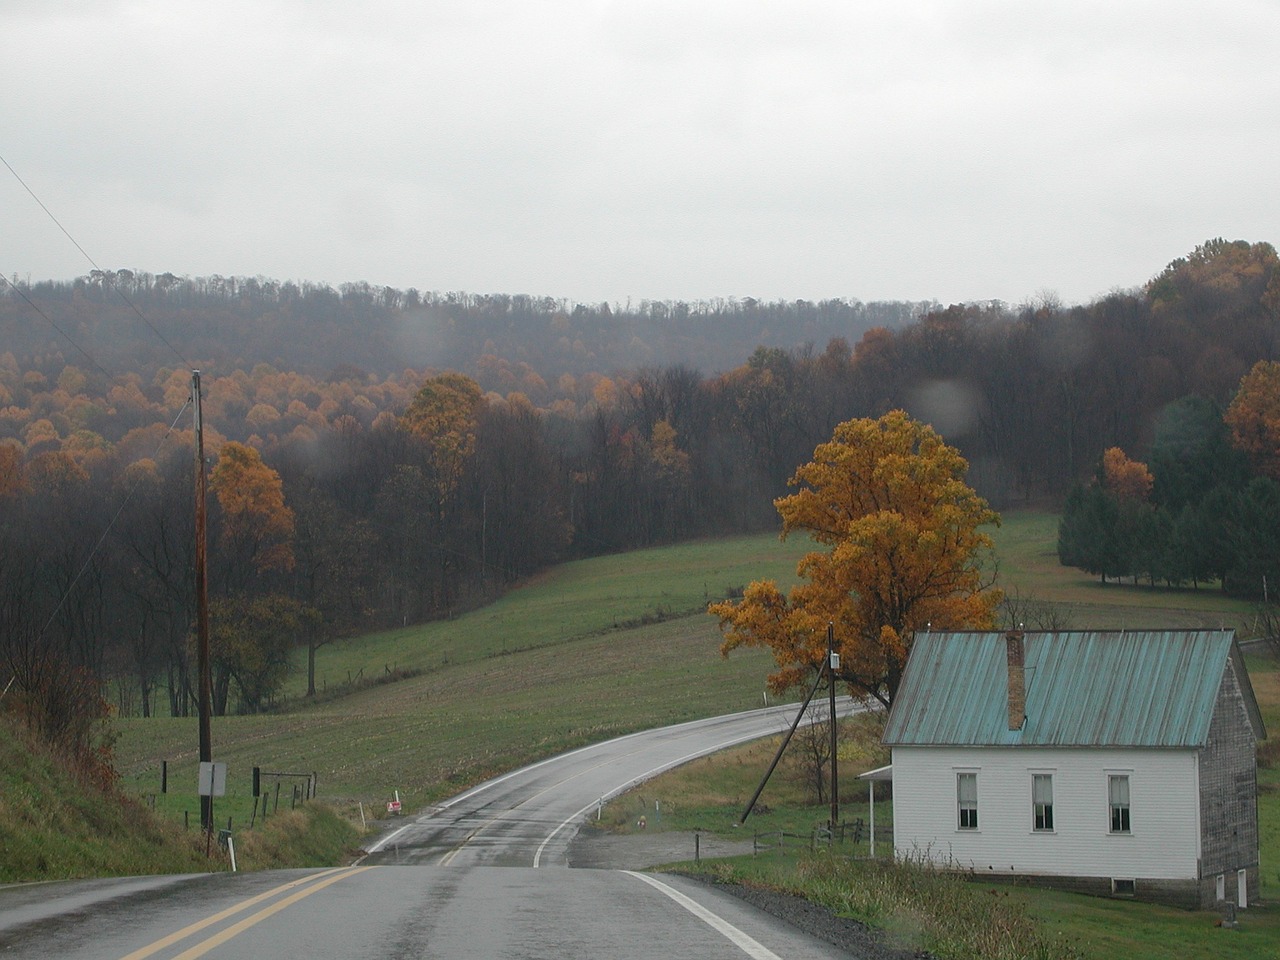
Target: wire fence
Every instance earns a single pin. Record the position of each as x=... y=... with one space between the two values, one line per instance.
x=851 y=839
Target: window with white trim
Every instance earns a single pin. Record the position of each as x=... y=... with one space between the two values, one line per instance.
x=967 y=800
x=1042 y=801
x=1118 y=801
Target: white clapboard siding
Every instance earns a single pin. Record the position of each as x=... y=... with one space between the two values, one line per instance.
x=1163 y=842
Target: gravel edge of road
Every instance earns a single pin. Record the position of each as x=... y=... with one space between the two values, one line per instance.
x=851 y=936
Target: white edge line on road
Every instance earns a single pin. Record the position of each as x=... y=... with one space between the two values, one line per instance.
x=481 y=787
x=846 y=704
x=649 y=774
x=383 y=841
x=748 y=945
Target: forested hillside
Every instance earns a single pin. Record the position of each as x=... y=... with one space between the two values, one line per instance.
x=379 y=457
x=129 y=320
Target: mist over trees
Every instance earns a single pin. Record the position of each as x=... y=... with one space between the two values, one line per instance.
x=431 y=450
x=232 y=323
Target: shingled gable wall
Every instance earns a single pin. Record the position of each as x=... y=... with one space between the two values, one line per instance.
x=1228 y=797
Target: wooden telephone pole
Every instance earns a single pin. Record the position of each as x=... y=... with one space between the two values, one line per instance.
x=205 y=705
x=833 y=666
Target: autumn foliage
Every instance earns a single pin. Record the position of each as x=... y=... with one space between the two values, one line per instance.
x=904 y=550
x=257 y=526
x=1127 y=479
x=1254 y=417
x=386 y=456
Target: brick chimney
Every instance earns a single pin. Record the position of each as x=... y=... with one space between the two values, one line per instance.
x=1017 y=679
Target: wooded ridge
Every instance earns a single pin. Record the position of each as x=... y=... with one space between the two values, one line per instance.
x=414 y=454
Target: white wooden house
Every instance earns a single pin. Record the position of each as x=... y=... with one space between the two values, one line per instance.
x=1117 y=763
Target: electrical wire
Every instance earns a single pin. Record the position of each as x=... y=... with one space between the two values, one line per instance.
x=111 y=525
x=106 y=275
x=84 y=353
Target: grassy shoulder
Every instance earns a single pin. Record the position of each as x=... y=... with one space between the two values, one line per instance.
x=918 y=908
x=56 y=826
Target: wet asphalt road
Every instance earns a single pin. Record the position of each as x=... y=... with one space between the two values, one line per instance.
x=484 y=875
x=528 y=817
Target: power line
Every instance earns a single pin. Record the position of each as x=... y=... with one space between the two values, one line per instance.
x=48 y=319
x=111 y=525
x=107 y=276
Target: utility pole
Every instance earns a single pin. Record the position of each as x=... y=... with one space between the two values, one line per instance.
x=205 y=705
x=833 y=666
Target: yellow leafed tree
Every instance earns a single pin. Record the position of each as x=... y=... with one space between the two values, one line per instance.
x=904 y=549
x=443 y=415
x=1127 y=479
x=258 y=527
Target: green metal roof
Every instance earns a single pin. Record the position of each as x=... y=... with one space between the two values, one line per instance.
x=1083 y=688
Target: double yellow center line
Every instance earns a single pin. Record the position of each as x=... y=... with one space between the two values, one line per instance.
x=309 y=885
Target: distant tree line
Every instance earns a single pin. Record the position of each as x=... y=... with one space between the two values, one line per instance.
x=412 y=492
x=235 y=323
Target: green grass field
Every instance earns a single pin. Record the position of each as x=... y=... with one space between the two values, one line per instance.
x=589 y=650
x=572 y=603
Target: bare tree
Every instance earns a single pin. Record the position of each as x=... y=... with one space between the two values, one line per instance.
x=1019 y=610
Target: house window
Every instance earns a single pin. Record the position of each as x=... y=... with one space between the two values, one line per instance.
x=967 y=800
x=1118 y=791
x=1042 y=801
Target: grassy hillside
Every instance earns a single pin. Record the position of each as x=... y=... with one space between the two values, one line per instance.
x=590 y=650
x=572 y=603
x=54 y=826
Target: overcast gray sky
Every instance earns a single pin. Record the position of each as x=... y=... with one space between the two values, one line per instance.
x=659 y=149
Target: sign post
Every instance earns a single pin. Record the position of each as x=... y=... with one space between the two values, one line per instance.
x=212 y=783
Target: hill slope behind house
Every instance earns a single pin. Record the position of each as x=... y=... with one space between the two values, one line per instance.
x=54 y=826
x=592 y=649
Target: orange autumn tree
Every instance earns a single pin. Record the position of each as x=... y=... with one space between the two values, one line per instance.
x=904 y=550
x=253 y=629
x=1254 y=417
